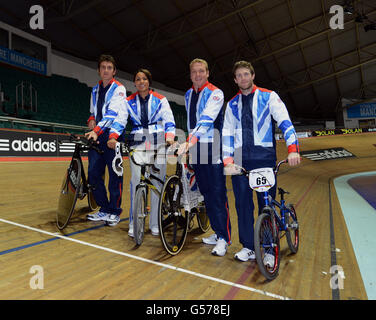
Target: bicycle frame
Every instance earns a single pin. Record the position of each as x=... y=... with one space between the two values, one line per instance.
x=146 y=175
x=75 y=185
x=84 y=185
x=272 y=203
x=271 y=222
x=279 y=217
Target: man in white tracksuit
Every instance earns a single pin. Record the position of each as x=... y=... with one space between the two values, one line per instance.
x=204 y=105
x=107 y=101
x=249 y=142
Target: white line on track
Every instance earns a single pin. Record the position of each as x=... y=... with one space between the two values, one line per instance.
x=163 y=265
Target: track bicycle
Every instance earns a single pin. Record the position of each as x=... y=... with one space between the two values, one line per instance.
x=179 y=203
x=140 y=209
x=277 y=219
x=75 y=185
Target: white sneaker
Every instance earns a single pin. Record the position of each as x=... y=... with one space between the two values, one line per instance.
x=113 y=220
x=245 y=254
x=98 y=216
x=155 y=231
x=220 y=248
x=269 y=260
x=211 y=240
x=130 y=231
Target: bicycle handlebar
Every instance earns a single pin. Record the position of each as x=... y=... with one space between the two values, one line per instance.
x=276 y=169
x=181 y=156
x=156 y=152
x=84 y=142
x=279 y=164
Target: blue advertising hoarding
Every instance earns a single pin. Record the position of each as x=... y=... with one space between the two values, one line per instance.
x=23 y=61
x=362 y=110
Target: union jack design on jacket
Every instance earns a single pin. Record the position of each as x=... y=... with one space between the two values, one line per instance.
x=266 y=106
x=113 y=103
x=209 y=105
x=160 y=116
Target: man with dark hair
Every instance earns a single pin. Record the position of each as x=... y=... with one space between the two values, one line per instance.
x=107 y=98
x=249 y=142
x=107 y=58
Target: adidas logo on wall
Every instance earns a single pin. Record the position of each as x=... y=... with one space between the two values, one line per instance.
x=327 y=154
x=4 y=144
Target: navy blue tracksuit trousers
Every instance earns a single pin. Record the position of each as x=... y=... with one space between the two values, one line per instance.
x=244 y=202
x=97 y=166
x=212 y=184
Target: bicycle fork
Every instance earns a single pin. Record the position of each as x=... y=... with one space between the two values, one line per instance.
x=271 y=243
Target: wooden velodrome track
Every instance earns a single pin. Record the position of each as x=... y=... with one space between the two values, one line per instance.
x=99 y=262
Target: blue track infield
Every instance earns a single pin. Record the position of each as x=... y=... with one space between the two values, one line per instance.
x=356 y=195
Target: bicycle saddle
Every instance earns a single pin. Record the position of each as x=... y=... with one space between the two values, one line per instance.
x=282 y=192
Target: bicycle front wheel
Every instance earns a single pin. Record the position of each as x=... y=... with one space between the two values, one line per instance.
x=292 y=232
x=139 y=215
x=172 y=217
x=69 y=192
x=266 y=241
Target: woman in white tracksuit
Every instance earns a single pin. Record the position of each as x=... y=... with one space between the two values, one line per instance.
x=153 y=125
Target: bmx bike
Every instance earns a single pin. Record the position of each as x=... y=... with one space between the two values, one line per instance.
x=277 y=219
x=75 y=185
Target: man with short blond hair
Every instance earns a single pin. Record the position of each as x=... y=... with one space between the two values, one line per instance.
x=204 y=105
x=198 y=60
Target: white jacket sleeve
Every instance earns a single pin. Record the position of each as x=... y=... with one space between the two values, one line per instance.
x=120 y=122
x=228 y=136
x=168 y=119
x=92 y=114
x=280 y=114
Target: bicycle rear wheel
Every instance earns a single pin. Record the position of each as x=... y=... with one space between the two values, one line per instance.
x=292 y=232
x=202 y=218
x=266 y=241
x=139 y=215
x=172 y=217
x=69 y=192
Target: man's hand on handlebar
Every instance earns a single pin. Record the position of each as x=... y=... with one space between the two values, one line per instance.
x=184 y=147
x=232 y=169
x=91 y=135
x=170 y=141
x=293 y=158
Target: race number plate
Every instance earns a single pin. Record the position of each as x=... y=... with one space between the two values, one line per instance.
x=261 y=179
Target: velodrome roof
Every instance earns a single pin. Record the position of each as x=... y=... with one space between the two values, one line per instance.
x=290 y=43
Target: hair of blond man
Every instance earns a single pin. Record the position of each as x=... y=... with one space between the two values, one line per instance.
x=198 y=60
x=243 y=64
